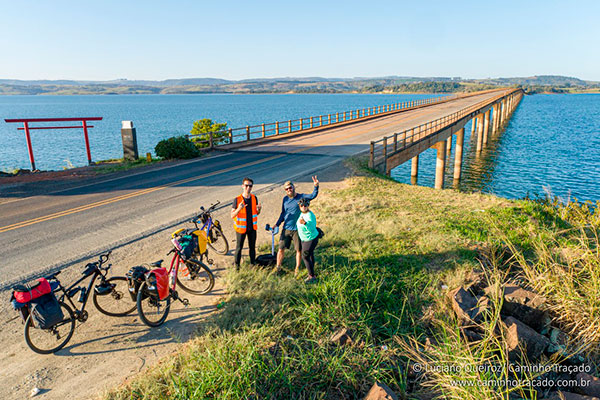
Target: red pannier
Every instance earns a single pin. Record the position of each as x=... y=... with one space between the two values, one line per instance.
x=24 y=294
x=162 y=282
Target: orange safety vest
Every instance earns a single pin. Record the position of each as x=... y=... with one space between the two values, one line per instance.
x=239 y=222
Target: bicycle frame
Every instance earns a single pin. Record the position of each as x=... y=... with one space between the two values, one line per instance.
x=175 y=261
x=78 y=311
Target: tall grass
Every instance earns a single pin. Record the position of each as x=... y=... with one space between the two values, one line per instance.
x=565 y=269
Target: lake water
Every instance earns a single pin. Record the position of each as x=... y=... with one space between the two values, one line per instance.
x=552 y=142
x=550 y=145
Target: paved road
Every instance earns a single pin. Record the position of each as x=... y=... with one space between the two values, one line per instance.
x=45 y=232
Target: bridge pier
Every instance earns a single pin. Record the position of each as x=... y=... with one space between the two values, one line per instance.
x=440 y=164
x=458 y=155
x=486 y=127
x=449 y=145
x=414 y=170
x=479 y=132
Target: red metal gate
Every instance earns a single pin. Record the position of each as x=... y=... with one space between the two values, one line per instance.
x=27 y=128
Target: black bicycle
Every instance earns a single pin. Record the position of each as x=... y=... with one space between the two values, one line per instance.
x=216 y=239
x=110 y=296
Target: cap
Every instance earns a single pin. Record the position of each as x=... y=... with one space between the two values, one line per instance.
x=303 y=202
x=287 y=184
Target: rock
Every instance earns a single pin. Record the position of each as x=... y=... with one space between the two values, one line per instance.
x=380 y=391
x=471 y=335
x=524 y=305
x=341 y=337
x=520 y=337
x=478 y=283
x=588 y=384
x=464 y=305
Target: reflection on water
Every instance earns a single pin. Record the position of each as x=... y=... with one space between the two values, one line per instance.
x=551 y=143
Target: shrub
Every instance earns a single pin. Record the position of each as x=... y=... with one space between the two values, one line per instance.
x=176 y=147
x=203 y=127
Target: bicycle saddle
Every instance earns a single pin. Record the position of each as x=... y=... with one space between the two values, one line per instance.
x=156 y=264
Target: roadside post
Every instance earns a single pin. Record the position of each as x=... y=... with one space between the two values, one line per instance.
x=129 y=138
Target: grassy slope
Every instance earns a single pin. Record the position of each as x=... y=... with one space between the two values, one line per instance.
x=387 y=252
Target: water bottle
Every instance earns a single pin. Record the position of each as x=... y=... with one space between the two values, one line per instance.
x=82 y=295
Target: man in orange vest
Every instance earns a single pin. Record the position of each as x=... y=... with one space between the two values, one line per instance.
x=244 y=212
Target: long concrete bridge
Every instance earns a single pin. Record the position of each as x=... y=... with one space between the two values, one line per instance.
x=52 y=225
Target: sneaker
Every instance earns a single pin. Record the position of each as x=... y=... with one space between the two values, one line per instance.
x=311 y=280
x=277 y=270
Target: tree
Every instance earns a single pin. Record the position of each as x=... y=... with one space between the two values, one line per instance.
x=202 y=129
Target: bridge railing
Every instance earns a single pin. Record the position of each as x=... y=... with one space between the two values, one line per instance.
x=387 y=146
x=255 y=132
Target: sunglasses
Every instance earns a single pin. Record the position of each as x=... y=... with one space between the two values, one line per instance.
x=289 y=188
x=250 y=185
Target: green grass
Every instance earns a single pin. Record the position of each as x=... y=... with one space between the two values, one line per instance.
x=119 y=164
x=387 y=251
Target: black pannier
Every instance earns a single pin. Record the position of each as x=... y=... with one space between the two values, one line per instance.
x=46 y=311
x=135 y=277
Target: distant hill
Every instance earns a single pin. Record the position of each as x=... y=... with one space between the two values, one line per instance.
x=387 y=84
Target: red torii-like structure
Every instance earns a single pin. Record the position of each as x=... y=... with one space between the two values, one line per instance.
x=27 y=128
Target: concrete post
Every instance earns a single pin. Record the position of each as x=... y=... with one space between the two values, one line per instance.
x=458 y=154
x=479 y=132
x=440 y=164
x=486 y=127
x=414 y=170
x=449 y=145
x=473 y=126
x=495 y=119
x=129 y=138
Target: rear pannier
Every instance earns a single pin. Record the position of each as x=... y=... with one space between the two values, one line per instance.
x=46 y=311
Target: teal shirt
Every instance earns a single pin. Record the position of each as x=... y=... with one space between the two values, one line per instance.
x=307 y=231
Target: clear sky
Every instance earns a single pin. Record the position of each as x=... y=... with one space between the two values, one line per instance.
x=106 y=39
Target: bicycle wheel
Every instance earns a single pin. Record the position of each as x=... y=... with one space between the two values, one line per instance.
x=195 y=277
x=152 y=311
x=117 y=302
x=217 y=241
x=46 y=341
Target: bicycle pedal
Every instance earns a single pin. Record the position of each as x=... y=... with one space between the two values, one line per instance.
x=185 y=302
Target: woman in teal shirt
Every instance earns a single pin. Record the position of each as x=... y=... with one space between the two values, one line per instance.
x=309 y=236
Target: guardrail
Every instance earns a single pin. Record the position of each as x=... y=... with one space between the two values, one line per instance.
x=253 y=132
x=382 y=149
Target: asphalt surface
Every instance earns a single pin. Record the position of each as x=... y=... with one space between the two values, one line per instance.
x=50 y=231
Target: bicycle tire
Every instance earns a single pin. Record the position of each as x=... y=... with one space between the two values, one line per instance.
x=119 y=294
x=146 y=301
x=199 y=273
x=218 y=237
x=41 y=335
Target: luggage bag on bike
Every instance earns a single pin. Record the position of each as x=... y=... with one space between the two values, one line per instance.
x=186 y=242
x=23 y=295
x=46 y=311
x=158 y=279
x=135 y=277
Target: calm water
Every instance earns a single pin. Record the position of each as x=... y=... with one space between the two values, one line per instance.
x=155 y=117
x=552 y=142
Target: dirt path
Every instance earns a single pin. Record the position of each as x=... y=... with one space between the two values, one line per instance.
x=104 y=351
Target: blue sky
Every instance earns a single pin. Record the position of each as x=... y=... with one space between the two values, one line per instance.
x=157 y=40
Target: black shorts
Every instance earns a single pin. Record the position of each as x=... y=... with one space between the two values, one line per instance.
x=286 y=239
